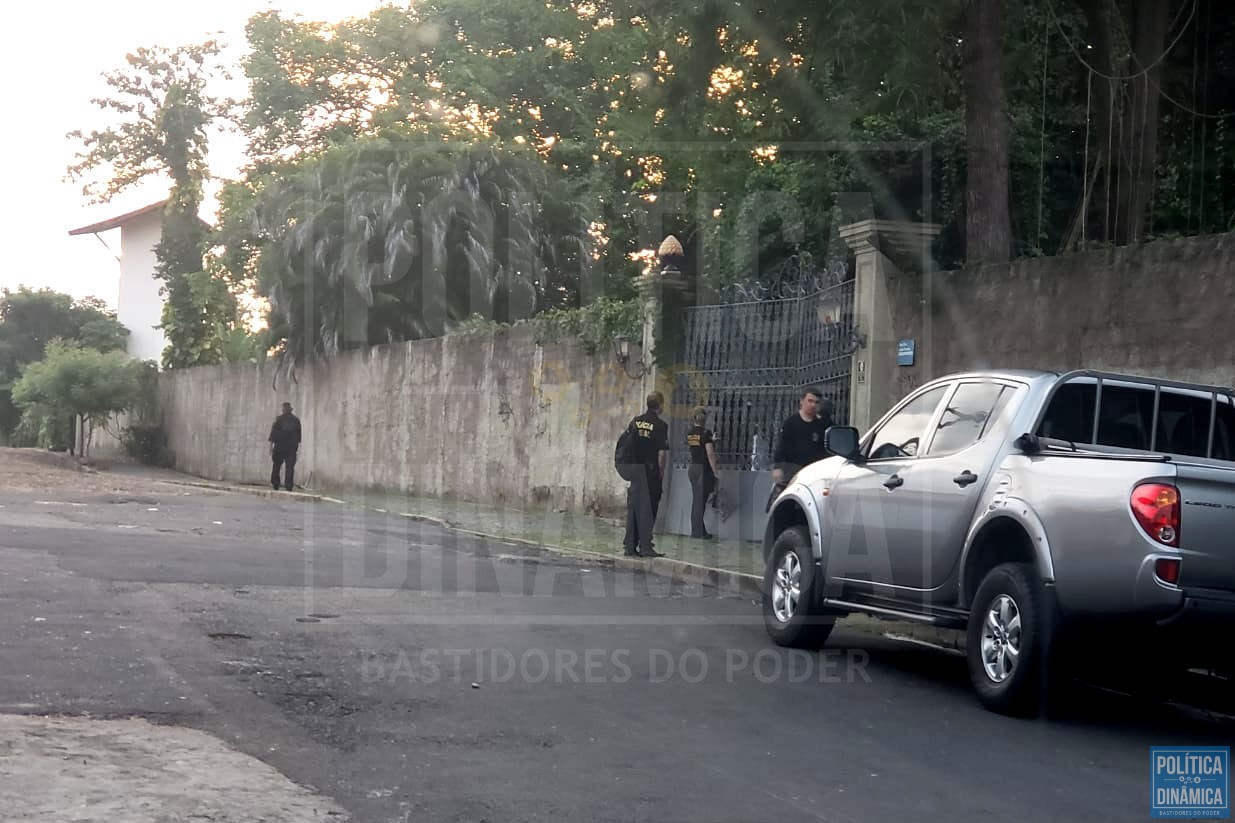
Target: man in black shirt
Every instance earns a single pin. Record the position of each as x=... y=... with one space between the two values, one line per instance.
x=801 y=436
x=644 y=468
x=284 y=444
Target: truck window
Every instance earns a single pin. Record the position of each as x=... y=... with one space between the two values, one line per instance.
x=1224 y=429
x=1070 y=415
x=967 y=417
x=1126 y=419
x=902 y=435
x=1183 y=424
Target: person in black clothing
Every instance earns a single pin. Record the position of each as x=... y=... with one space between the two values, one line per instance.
x=801 y=436
x=703 y=471
x=284 y=444
x=644 y=469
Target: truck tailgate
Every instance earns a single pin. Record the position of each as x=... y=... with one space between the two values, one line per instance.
x=1207 y=527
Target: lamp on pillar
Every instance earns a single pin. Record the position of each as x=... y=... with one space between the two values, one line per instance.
x=621 y=353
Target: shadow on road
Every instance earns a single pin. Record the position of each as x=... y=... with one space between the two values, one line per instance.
x=1195 y=705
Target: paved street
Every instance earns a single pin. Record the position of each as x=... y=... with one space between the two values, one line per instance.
x=410 y=675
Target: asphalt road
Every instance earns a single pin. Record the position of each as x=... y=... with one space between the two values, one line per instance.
x=413 y=676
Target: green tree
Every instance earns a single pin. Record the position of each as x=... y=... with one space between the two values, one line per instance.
x=164 y=114
x=82 y=382
x=632 y=102
x=242 y=346
x=96 y=326
x=376 y=242
x=30 y=319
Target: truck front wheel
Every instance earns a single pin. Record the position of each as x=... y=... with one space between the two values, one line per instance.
x=789 y=612
x=1006 y=639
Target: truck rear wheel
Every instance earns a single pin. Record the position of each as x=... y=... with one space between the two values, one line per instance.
x=1006 y=639
x=789 y=587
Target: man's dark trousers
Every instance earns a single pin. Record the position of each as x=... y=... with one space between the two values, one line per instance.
x=281 y=458
x=642 y=500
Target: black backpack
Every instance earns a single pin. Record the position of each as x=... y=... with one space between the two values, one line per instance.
x=624 y=452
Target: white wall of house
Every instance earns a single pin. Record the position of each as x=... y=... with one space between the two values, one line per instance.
x=140 y=307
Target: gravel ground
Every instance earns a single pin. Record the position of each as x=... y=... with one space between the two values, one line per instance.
x=40 y=470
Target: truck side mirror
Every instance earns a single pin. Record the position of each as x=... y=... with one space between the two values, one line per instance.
x=843 y=441
x=1028 y=443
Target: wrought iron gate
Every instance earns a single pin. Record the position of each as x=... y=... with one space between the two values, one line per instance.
x=747 y=363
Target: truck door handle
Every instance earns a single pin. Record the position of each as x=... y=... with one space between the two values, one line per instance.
x=965 y=478
x=894 y=482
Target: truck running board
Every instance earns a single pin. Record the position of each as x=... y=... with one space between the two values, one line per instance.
x=951 y=619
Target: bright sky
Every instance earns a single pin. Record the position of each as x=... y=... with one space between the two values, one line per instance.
x=52 y=64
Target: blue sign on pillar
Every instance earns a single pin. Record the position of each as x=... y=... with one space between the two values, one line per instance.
x=904 y=352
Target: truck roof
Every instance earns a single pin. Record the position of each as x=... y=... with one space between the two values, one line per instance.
x=1040 y=375
x=1029 y=375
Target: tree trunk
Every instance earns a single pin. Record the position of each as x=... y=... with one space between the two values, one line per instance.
x=1151 y=21
x=1103 y=124
x=988 y=228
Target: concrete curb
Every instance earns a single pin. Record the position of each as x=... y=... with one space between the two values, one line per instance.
x=737 y=582
x=256 y=492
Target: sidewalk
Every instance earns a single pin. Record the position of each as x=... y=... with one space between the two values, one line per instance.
x=580 y=533
x=70 y=769
x=730 y=564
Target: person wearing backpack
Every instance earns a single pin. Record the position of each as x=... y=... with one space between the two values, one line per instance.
x=640 y=456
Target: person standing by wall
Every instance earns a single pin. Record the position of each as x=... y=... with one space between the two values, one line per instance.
x=801 y=436
x=640 y=457
x=284 y=445
x=703 y=471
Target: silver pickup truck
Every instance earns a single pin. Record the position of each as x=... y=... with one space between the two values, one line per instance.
x=1021 y=507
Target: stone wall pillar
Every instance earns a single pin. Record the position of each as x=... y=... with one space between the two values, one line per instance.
x=665 y=296
x=884 y=250
x=651 y=299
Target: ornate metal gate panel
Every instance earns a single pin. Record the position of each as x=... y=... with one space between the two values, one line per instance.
x=747 y=363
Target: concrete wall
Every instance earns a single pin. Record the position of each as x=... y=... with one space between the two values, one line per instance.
x=485 y=418
x=106 y=442
x=500 y=418
x=1161 y=309
x=140 y=306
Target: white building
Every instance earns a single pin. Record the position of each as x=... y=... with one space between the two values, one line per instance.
x=139 y=306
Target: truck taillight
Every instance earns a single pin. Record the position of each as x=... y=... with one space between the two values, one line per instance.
x=1156 y=507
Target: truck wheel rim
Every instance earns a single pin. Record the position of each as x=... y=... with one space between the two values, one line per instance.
x=1001 y=639
x=787 y=587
